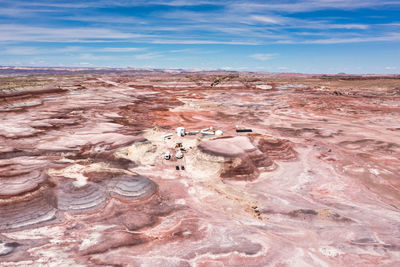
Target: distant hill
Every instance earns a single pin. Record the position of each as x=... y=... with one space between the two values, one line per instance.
x=17 y=70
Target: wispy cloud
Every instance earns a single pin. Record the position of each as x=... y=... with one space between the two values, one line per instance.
x=120 y=49
x=201 y=42
x=90 y=57
x=283 y=5
x=385 y=38
x=89 y=31
x=122 y=3
x=22 y=12
x=97 y=18
x=348 y=26
x=150 y=55
x=11 y=32
x=309 y=5
x=22 y=50
x=263 y=57
x=227 y=22
x=31 y=50
x=266 y=19
x=83 y=64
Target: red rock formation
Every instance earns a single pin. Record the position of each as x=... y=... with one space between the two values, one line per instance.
x=240 y=158
x=26 y=199
x=316 y=183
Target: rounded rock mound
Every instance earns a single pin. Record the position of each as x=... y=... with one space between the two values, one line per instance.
x=132 y=188
x=76 y=198
x=229 y=147
x=231 y=158
x=26 y=199
x=276 y=149
x=21 y=183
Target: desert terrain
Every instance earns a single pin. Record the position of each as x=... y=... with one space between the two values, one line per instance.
x=93 y=172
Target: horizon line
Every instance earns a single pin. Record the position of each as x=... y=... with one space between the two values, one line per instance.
x=191 y=70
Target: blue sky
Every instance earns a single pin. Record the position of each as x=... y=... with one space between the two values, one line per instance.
x=309 y=36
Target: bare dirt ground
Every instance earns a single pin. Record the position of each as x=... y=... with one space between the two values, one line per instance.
x=83 y=179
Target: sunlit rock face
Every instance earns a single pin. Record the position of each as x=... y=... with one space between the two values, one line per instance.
x=72 y=197
x=239 y=158
x=131 y=187
x=26 y=199
x=83 y=179
x=277 y=149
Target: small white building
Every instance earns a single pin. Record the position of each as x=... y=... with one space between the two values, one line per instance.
x=180 y=131
x=179 y=154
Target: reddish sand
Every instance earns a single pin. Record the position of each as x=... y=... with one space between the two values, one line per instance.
x=83 y=180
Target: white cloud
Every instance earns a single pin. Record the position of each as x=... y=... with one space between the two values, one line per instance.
x=106 y=19
x=395 y=24
x=348 y=26
x=148 y=56
x=232 y=22
x=22 y=50
x=92 y=57
x=310 y=5
x=31 y=50
x=184 y=50
x=12 y=32
x=129 y=3
x=283 y=68
x=263 y=57
x=168 y=41
x=120 y=49
x=362 y=39
x=265 y=19
x=84 y=64
x=393 y=37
